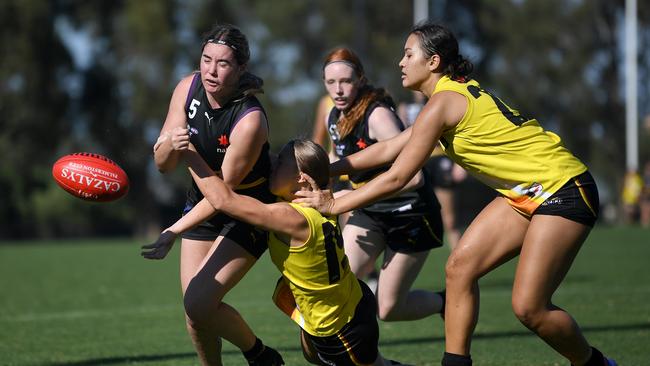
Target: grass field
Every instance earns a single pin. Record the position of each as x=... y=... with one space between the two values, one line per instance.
x=99 y=303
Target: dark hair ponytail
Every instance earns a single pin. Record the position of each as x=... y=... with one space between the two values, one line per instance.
x=436 y=39
x=460 y=69
x=250 y=84
x=230 y=36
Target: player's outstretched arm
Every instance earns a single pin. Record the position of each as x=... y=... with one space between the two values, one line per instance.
x=383 y=124
x=374 y=156
x=434 y=118
x=277 y=217
x=159 y=249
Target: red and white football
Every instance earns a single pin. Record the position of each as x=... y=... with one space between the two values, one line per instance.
x=91 y=177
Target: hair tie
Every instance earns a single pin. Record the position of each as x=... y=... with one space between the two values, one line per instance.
x=353 y=66
x=219 y=41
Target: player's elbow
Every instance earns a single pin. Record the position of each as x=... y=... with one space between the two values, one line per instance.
x=417 y=181
x=395 y=182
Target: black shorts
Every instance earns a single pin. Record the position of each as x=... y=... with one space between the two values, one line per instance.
x=357 y=342
x=439 y=168
x=247 y=236
x=577 y=201
x=403 y=233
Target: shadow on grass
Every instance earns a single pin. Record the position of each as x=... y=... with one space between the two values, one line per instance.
x=494 y=335
x=128 y=359
x=506 y=283
x=521 y=333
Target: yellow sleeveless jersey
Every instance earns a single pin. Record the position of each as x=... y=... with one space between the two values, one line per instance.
x=326 y=292
x=505 y=150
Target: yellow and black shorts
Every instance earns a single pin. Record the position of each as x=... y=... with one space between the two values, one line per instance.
x=577 y=201
x=357 y=342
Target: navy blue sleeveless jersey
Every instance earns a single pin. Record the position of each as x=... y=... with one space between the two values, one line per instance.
x=210 y=131
x=414 y=202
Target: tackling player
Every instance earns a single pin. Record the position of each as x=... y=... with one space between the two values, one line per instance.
x=547 y=207
x=335 y=311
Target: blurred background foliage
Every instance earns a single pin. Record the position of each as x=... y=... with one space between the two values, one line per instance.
x=97 y=76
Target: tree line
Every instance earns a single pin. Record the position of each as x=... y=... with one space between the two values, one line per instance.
x=97 y=76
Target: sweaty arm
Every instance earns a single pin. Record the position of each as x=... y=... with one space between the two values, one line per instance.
x=173 y=135
x=276 y=217
x=383 y=124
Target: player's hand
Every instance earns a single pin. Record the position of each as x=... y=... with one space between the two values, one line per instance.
x=160 y=248
x=164 y=137
x=321 y=200
x=180 y=138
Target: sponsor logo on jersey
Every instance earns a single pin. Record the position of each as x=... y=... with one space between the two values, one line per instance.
x=223 y=144
x=553 y=201
x=209 y=118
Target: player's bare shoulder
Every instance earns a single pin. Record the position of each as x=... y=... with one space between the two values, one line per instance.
x=446 y=108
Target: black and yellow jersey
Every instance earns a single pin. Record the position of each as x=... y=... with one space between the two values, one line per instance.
x=325 y=290
x=509 y=152
x=415 y=202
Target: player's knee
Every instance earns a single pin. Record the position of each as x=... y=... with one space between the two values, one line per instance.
x=387 y=311
x=458 y=268
x=529 y=314
x=198 y=305
x=194 y=309
x=308 y=351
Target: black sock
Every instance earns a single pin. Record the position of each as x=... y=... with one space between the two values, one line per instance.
x=596 y=359
x=255 y=351
x=451 y=359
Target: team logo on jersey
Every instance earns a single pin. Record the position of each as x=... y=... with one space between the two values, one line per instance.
x=534 y=190
x=193 y=130
x=361 y=144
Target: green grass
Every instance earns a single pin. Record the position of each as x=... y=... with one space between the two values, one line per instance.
x=98 y=303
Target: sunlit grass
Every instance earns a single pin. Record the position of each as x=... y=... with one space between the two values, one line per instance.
x=99 y=303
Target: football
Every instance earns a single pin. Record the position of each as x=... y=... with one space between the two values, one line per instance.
x=91 y=177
